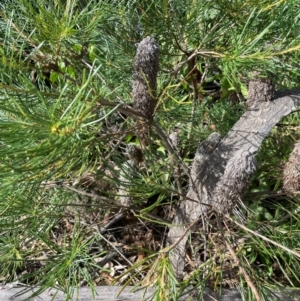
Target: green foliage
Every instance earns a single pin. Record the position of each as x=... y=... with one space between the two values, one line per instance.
x=65 y=73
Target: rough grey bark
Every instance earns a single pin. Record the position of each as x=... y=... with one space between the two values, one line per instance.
x=237 y=147
x=201 y=158
x=180 y=221
x=146 y=65
x=260 y=90
x=291 y=171
x=235 y=180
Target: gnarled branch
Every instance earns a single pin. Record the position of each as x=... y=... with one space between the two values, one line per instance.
x=238 y=147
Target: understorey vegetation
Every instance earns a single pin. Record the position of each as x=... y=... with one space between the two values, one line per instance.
x=150 y=143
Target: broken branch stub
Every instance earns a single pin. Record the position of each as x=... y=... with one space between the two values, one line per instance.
x=260 y=90
x=146 y=65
